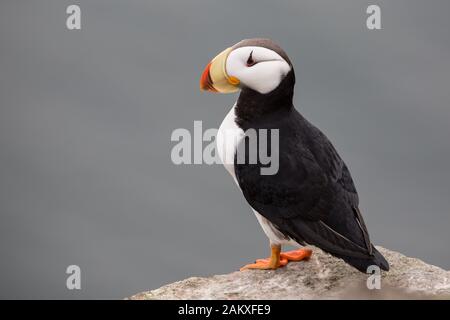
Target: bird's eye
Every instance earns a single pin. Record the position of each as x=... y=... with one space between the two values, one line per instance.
x=250 y=61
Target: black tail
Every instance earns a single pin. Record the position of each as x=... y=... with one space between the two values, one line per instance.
x=362 y=264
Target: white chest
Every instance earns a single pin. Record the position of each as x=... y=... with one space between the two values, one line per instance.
x=228 y=138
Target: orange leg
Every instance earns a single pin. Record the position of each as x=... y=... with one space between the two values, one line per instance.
x=278 y=259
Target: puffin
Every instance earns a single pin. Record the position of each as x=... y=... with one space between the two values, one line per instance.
x=311 y=199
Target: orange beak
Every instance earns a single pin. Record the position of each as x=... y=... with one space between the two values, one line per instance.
x=215 y=78
x=206 y=83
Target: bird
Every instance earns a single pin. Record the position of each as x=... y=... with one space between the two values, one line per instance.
x=311 y=200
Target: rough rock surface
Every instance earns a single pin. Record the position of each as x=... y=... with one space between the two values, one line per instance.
x=321 y=277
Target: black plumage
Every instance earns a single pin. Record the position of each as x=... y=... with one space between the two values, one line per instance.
x=312 y=198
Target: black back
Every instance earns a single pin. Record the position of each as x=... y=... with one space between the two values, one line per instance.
x=312 y=198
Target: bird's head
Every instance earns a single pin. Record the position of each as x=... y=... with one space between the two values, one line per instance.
x=256 y=64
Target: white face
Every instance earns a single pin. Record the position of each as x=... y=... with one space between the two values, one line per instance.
x=258 y=68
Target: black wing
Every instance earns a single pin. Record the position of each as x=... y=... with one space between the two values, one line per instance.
x=312 y=198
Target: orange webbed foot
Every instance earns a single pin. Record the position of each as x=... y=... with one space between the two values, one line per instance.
x=296 y=255
x=279 y=259
x=265 y=264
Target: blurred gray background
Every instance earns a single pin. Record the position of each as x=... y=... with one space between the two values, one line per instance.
x=86 y=118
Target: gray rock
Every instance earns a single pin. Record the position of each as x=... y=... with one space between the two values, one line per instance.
x=321 y=277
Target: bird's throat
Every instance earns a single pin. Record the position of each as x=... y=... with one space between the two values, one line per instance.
x=252 y=105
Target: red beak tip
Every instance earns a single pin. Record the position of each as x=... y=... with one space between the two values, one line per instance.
x=206 y=83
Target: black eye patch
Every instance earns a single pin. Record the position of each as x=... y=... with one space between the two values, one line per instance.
x=250 y=61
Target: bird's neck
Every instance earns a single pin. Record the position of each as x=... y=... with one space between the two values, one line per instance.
x=252 y=105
